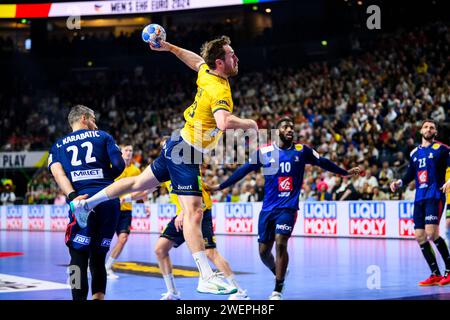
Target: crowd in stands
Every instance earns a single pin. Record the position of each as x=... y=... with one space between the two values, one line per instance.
x=363 y=110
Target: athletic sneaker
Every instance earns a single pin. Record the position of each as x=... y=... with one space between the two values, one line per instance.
x=240 y=295
x=80 y=211
x=215 y=284
x=276 y=296
x=111 y=275
x=433 y=280
x=170 y=296
x=445 y=279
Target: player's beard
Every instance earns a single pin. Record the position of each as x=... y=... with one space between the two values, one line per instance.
x=287 y=142
x=230 y=71
x=430 y=137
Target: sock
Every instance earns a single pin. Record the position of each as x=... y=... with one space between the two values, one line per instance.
x=109 y=263
x=428 y=253
x=170 y=283
x=443 y=250
x=232 y=280
x=202 y=264
x=274 y=271
x=279 y=284
x=97 y=198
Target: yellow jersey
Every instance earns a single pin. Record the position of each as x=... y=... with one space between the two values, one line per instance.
x=206 y=197
x=129 y=171
x=213 y=94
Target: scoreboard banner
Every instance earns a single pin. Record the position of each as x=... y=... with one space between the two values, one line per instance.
x=367 y=219
x=97 y=8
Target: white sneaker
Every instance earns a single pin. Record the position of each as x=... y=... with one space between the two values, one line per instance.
x=81 y=212
x=240 y=295
x=170 y=296
x=215 y=285
x=111 y=275
x=276 y=296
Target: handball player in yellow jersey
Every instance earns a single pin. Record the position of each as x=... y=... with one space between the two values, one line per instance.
x=206 y=118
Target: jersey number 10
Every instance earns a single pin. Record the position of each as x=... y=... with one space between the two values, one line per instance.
x=285 y=167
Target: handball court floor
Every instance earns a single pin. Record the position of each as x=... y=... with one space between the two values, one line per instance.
x=320 y=269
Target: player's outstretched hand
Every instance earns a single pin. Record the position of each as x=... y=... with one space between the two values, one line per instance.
x=395 y=185
x=164 y=46
x=82 y=197
x=446 y=187
x=356 y=171
x=211 y=188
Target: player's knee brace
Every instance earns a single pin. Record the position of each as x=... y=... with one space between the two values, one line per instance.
x=78 y=274
x=97 y=265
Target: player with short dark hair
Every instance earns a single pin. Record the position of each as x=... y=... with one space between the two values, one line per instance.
x=427 y=165
x=283 y=166
x=84 y=162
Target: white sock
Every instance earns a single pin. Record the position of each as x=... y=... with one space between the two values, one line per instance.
x=170 y=283
x=202 y=264
x=109 y=263
x=97 y=198
x=232 y=280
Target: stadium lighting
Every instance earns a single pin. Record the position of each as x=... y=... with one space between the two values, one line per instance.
x=255 y=8
x=89 y=63
x=324 y=43
x=360 y=3
x=268 y=10
x=23 y=20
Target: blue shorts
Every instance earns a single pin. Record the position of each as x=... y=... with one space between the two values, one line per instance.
x=180 y=163
x=277 y=221
x=171 y=233
x=124 y=224
x=428 y=211
x=101 y=225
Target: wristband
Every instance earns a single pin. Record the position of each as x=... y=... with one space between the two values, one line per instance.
x=72 y=195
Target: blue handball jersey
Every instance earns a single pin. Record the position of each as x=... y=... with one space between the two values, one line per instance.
x=91 y=159
x=427 y=166
x=283 y=171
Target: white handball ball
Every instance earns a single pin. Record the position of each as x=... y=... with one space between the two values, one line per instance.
x=153 y=33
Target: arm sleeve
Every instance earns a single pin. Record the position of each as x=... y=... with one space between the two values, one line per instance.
x=313 y=157
x=52 y=156
x=410 y=172
x=222 y=103
x=115 y=156
x=242 y=171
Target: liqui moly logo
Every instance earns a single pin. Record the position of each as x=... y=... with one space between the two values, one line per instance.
x=165 y=213
x=367 y=219
x=141 y=218
x=36 y=218
x=320 y=218
x=14 y=218
x=238 y=218
x=405 y=219
x=59 y=218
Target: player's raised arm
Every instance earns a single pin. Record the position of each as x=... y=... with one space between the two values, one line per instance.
x=238 y=174
x=313 y=157
x=191 y=59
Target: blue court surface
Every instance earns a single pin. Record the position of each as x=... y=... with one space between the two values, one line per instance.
x=33 y=267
